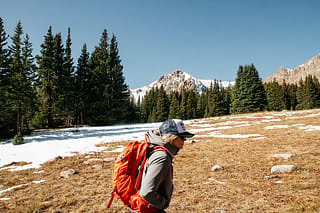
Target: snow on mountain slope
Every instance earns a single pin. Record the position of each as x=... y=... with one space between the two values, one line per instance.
x=174 y=81
x=225 y=84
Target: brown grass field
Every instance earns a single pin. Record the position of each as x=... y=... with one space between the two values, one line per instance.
x=241 y=186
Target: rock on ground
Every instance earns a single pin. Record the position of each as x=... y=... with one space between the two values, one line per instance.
x=216 y=168
x=282 y=169
x=67 y=173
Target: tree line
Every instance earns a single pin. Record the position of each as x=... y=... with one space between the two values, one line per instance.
x=157 y=105
x=248 y=94
x=50 y=91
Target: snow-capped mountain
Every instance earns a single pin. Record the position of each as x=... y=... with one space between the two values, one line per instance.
x=310 y=67
x=174 y=81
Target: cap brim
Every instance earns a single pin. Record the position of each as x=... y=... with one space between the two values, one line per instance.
x=186 y=134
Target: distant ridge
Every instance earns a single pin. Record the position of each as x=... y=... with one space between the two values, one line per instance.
x=178 y=80
x=310 y=67
x=174 y=81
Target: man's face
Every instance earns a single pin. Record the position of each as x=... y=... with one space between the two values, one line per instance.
x=179 y=142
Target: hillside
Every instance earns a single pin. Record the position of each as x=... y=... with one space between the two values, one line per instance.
x=247 y=148
x=174 y=81
x=310 y=67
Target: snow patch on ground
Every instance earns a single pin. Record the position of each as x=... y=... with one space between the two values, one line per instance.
x=277 y=127
x=217 y=135
x=20 y=186
x=40 y=147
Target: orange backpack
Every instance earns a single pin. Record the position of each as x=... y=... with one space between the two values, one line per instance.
x=127 y=173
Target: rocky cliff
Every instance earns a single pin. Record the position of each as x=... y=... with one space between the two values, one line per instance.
x=310 y=67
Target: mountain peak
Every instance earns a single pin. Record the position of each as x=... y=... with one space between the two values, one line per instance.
x=177 y=80
x=174 y=81
x=291 y=76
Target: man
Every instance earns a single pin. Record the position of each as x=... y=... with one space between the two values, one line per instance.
x=156 y=185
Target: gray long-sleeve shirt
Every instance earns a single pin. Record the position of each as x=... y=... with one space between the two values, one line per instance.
x=156 y=184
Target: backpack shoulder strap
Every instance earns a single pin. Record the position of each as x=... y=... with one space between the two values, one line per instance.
x=140 y=169
x=149 y=152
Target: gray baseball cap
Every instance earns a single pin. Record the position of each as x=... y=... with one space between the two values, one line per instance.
x=174 y=127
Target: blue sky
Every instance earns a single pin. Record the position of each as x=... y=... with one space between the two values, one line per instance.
x=208 y=39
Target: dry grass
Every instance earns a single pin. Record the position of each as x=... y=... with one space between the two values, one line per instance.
x=240 y=187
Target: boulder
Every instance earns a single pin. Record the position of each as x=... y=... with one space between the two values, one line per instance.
x=216 y=168
x=67 y=173
x=282 y=169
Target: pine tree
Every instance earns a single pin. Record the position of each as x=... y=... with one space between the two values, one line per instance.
x=217 y=100
x=248 y=93
x=30 y=69
x=213 y=96
x=226 y=96
x=138 y=109
x=21 y=75
x=207 y=102
x=4 y=53
x=202 y=104
x=153 y=115
x=191 y=104
x=275 y=94
x=308 y=93
x=17 y=77
x=6 y=113
x=116 y=88
x=59 y=92
x=148 y=105
x=100 y=97
x=292 y=93
x=183 y=104
x=46 y=82
x=68 y=82
x=133 y=111
x=174 y=109
x=301 y=95
x=82 y=77
x=162 y=108
x=286 y=95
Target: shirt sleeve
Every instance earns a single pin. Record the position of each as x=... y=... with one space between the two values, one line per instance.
x=155 y=173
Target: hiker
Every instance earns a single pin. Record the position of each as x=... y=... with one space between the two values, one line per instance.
x=156 y=184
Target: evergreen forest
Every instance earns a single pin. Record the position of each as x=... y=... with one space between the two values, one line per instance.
x=51 y=90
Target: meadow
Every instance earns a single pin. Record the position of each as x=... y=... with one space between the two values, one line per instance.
x=245 y=147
